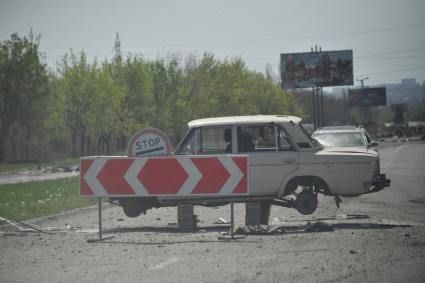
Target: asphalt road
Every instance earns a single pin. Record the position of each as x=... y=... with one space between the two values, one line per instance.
x=375 y=238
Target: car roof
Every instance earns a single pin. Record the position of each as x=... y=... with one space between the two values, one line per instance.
x=339 y=129
x=253 y=119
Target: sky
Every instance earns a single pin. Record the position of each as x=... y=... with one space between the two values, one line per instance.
x=387 y=36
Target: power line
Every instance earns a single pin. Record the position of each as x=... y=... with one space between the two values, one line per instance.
x=422 y=48
x=394 y=58
x=259 y=42
x=384 y=65
x=395 y=71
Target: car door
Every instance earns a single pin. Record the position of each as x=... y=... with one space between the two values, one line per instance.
x=271 y=155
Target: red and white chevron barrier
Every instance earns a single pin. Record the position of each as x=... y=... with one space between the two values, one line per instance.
x=164 y=176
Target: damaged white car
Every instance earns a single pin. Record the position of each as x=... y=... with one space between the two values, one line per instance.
x=287 y=167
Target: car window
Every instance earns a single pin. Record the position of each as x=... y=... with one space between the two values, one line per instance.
x=340 y=139
x=190 y=143
x=210 y=140
x=283 y=141
x=215 y=140
x=256 y=138
x=262 y=138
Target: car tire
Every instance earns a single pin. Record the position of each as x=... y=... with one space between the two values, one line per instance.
x=306 y=202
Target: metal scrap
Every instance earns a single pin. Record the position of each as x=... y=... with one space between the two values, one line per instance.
x=260 y=230
x=19 y=225
x=221 y=221
x=278 y=230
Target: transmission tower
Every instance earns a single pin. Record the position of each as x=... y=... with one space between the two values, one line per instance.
x=117 y=47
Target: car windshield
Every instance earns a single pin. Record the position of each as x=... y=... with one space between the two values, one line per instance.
x=340 y=139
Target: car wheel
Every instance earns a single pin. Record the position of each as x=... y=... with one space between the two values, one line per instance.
x=306 y=202
x=132 y=208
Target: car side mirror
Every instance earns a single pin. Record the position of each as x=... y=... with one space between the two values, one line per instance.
x=374 y=144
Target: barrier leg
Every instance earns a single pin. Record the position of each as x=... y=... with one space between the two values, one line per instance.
x=232 y=220
x=185 y=218
x=101 y=238
x=99 y=208
x=231 y=234
x=257 y=213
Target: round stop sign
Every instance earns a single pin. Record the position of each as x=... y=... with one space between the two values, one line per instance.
x=149 y=142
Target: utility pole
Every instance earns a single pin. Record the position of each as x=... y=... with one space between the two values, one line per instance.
x=317 y=97
x=367 y=114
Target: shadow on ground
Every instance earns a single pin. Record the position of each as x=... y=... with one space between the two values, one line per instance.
x=166 y=229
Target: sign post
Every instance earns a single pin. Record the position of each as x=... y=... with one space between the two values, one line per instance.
x=100 y=233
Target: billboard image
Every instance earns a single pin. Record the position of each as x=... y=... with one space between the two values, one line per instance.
x=364 y=97
x=316 y=69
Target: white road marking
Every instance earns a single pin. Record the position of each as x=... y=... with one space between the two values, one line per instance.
x=165 y=263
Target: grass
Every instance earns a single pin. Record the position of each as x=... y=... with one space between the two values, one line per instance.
x=35 y=199
x=14 y=167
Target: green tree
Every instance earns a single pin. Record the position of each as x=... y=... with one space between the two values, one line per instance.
x=138 y=101
x=74 y=90
x=104 y=120
x=23 y=90
x=103 y=105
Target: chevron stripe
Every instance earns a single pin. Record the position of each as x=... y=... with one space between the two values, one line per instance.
x=91 y=175
x=235 y=175
x=194 y=175
x=133 y=180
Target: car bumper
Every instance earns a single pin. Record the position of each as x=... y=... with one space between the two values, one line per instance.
x=380 y=182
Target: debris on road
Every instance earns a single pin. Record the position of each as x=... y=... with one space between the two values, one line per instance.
x=311 y=227
x=221 y=221
x=260 y=230
x=278 y=230
x=20 y=225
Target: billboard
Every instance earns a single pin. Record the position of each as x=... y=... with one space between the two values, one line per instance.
x=364 y=97
x=315 y=69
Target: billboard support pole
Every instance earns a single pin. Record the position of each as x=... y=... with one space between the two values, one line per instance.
x=322 y=114
x=317 y=99
x=317 y=95
x=318 y=118
x=313 y=96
